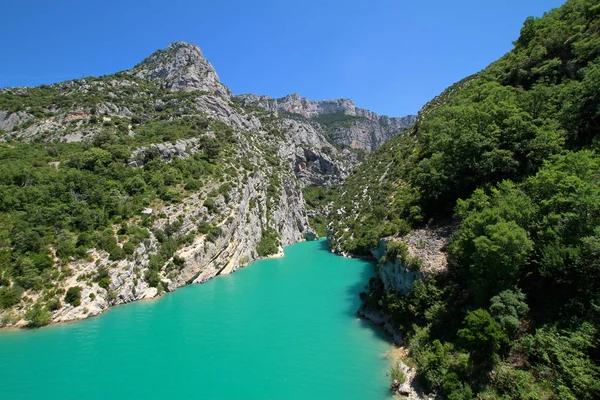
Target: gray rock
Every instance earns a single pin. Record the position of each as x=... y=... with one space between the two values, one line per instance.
x=366 y=131
x=9 y=120
x=181 y=66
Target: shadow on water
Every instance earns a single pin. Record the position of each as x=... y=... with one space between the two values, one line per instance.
x=353 y=293
x=324 y=245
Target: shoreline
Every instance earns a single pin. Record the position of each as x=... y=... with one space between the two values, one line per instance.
x=410 y=389
x=22 y=323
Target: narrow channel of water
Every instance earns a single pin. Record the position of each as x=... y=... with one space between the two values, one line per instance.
x=278 y=329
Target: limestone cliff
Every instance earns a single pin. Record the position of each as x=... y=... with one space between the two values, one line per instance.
x=346 y=124
x=249 y=195
x=425 y=246
x=181 y=66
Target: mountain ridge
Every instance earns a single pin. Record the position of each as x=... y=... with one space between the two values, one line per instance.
x=182 y=67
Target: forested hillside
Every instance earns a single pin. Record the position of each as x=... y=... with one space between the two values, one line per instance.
x=122 y=187
x=511 y=154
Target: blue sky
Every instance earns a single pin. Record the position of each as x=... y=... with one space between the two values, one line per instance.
x=388 y=56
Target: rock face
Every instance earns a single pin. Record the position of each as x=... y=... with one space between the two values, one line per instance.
x=181 y=66
x=426 y=244
x=394 y=275
x=10 y=120
x=250 y=212
x=351 y=126
x=314 y=160
x=223 y=219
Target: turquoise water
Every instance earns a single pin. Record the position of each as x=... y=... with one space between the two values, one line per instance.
x=278 y=329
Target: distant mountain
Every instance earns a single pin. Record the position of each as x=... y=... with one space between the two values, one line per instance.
x=347 y=124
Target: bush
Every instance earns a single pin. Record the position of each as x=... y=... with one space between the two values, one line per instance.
x=210 y=205
x=396 y=373
x=9 y=297
x=129 y=248
x=269 y=243
x=152 y=278
x=37 y=316
x=193 y=184
x=73 y=296
x=103 y=278
x=394 y=250
x=53 y=304
x=483 y=337
x=116 y=253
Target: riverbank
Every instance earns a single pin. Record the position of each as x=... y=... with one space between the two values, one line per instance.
x=99 y=304
x=398 y=355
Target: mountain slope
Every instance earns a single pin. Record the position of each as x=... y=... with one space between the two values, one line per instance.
x=507 y=159
x=121 y=187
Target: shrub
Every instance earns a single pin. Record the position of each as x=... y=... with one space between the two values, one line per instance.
x=103 y=278
x=37 y=316
x=193 y=184
x=9 y=297
x=396 y=373
x=53 y=304
x=269 y=243
x=73 y=296
x=129 y=248
x=210 y=205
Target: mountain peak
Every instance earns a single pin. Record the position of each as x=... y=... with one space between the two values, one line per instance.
x=181 y=66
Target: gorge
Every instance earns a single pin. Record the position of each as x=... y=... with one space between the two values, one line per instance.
x=481 y=214
x=158 y=177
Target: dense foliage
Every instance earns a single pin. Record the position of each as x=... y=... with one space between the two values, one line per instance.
x=511 y=154
x=59 y=200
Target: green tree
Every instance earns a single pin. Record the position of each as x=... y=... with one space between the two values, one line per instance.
x=9 y=297
x=482 y=336
x=497 y=257
x=73 y=296
x=508 y=308
x=37 y=316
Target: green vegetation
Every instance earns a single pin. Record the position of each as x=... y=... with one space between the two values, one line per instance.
x=73 y=296
x=396 y=373
x=511 y=154
x=37 y=316
x=120 y=89
x=319 y=198
x=377 y=191
x=63 y=199
x=269 y=243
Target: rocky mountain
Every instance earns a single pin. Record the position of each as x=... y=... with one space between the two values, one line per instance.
x=145 y=180
x=345 y=123
x=181 y=66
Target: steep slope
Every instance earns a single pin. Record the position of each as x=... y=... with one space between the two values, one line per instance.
x=122 y=187
x=506 y=158
x=181 y=66
x=344 y=123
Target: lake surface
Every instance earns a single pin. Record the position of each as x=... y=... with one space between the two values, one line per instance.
x=277 y=329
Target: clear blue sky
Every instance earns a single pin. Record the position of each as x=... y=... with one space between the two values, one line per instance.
x=390 y=56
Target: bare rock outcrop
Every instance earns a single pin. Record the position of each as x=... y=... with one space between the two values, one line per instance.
x=181 y=66
x=361 y=129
